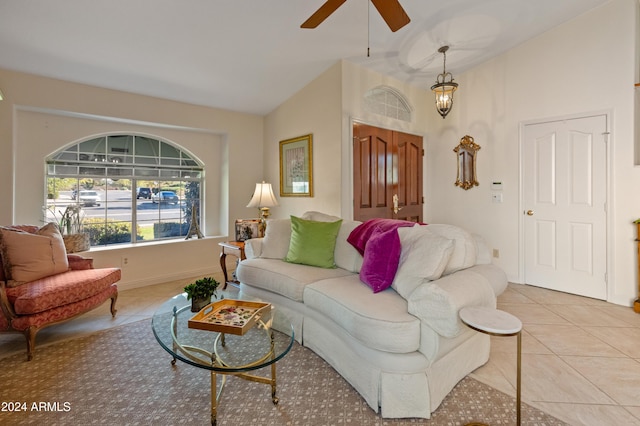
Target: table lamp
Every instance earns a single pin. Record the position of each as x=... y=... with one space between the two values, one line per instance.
x=263 y=198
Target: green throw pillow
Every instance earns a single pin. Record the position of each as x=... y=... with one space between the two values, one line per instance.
x=312 y=243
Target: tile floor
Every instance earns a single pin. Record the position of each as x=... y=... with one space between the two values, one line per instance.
x=580 y=357
x=580 y=362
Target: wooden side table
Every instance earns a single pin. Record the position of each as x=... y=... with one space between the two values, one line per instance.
x=235 y=248
x=496 y=323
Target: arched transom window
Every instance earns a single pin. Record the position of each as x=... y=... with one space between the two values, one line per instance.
x=387 y=101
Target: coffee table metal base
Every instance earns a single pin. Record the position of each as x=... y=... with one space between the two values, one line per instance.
x=215 y=397
x=192 y=353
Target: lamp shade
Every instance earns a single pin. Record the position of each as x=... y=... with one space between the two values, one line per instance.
x=263 y=196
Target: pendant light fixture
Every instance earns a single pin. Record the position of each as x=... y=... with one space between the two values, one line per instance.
x=444 y=87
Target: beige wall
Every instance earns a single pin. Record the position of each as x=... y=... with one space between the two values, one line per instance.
x=585 y=65
x=315 y=110
x=44 y=132
x=40 y=115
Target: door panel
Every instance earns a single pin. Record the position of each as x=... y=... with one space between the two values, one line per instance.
x=409 y=176
x=564 y=181
x=386 y=163
x=545 y=244
x=545 y=168
x=372 y=180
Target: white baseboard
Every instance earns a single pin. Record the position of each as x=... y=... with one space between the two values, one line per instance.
x=182 y=275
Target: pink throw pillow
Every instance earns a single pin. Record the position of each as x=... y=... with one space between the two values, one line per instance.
x=30 y=256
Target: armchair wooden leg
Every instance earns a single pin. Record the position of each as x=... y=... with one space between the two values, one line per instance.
x=113 y=305
x=30 y=335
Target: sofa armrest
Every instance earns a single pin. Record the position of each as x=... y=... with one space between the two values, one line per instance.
x=253 y=248
x=437 y=303
x=78 y=262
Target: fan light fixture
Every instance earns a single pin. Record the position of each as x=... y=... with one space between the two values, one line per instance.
x=444 y=87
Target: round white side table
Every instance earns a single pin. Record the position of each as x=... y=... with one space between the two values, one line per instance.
x=496 y=323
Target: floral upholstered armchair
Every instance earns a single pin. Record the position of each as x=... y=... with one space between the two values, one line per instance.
x=41 y=285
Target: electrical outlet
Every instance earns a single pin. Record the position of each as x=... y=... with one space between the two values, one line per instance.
x=124 y=261
x=496 y=253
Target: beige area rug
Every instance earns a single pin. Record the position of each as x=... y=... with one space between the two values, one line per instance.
x=123 y=377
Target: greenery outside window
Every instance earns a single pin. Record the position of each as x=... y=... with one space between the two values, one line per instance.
x=132 y=188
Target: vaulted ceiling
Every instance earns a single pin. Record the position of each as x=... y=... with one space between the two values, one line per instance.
x=251 y=55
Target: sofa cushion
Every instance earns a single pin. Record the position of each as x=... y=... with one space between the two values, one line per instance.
x=63 y=312
x=61 y=289
x=30 y=256
x=464 y=247
x=379 y=321
x=275 y=244
x=283 y=278
x=319 y=216
x=312 y=243
x=424 y=256
x=346 y=255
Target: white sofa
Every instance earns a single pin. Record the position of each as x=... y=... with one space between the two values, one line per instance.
x=404 y=348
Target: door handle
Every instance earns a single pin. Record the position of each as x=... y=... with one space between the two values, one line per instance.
x=529 y=212
x=395 y=208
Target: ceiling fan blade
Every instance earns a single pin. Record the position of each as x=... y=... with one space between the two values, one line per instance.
x=392 y=13
x=323 y=13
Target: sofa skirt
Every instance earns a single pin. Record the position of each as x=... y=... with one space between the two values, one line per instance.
x=397 y=385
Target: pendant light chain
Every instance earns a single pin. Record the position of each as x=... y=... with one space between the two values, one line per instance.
x=368 y=26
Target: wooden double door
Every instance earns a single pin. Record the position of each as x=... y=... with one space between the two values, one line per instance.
x=387 y=174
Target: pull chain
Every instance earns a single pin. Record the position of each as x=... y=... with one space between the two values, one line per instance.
x=368 y=26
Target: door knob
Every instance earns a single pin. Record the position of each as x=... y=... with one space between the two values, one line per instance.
x=529 y=212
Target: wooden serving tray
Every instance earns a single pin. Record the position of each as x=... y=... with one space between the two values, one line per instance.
x=229 y=316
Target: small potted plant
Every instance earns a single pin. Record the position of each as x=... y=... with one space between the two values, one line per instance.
x=200 y=292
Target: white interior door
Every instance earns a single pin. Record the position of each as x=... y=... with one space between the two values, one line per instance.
x=565 y=193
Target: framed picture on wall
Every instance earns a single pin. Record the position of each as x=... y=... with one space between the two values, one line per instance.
x=247 y=229
x=296 y=167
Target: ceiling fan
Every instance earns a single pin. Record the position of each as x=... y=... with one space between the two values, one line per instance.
x=390 y=10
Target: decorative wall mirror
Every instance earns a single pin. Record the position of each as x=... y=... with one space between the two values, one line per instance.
x=466 y=156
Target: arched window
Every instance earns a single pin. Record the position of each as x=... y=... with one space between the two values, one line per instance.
x=387 y=101
x=131 y=188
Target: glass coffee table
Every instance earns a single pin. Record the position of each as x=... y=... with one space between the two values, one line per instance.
x=221 y=353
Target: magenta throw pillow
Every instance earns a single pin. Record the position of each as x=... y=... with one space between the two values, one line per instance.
x=381 y=258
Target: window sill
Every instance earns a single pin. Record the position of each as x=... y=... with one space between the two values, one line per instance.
x=152 y=243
